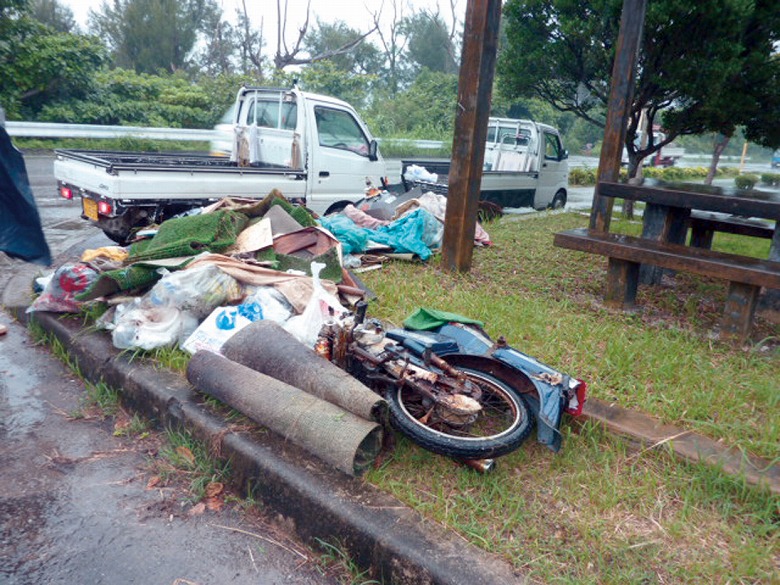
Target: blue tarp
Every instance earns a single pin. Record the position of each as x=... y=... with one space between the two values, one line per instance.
x=415 y=233
x=21 y=234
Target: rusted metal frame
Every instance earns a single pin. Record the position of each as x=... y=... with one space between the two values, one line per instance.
x=468 y=146
x=618 y=107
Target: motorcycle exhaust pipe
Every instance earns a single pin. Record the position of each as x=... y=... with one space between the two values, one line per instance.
x=480 y=465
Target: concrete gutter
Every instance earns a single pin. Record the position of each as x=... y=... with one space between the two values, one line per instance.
x=380 y=533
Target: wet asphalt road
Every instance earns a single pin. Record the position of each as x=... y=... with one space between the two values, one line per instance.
x=74 y=502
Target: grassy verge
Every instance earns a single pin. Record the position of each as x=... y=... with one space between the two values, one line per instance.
x=601 y=511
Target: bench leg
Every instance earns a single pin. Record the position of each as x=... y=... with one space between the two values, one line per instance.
x=701 y=237
x=622 y=282
x=740 y=308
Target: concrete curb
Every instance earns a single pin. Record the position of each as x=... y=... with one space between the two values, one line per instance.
x=379 y=532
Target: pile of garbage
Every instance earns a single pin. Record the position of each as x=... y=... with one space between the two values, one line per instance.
x=197 y=279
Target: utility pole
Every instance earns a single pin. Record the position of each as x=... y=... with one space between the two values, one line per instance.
x=475 y=84
x=621 y=94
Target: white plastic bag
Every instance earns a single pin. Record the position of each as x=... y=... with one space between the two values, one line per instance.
x=216 y=329
x=144 y=327
x=306 y=326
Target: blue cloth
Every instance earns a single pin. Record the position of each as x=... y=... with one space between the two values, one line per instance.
x=21 y=233
x=415 y=233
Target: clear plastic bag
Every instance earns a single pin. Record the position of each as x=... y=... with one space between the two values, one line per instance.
x=196 y=290
x=321 y=306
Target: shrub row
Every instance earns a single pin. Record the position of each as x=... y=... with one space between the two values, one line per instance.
x=587 y=176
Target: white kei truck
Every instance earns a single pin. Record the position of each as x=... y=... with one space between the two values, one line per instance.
x=315 y=150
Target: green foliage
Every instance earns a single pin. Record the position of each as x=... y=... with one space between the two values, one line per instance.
x=746 y=181
x=44 y=66
x=326 y=78
x=429 y=45
x=563 y=51
x=123 y=97
x=326 y=38
x=53 y=14
x=425 y=110
x=770 y=179
x=152 y=35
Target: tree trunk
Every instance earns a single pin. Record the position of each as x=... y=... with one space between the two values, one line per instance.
x=720 y=146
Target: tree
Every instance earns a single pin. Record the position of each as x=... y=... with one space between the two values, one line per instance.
x=38 y=64
x=152 y=35
x=329 y=38
x=53 y=14
x=430 y=43
x=562 y=51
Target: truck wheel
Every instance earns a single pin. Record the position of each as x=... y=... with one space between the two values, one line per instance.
x=337 y=207
x=559 y=201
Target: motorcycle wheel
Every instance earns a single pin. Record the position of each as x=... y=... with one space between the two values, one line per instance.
x=503 y=424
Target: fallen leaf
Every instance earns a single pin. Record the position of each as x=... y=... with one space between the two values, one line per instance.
x=153 y=481
x=214 y=489
x=214 y=504
x=186 y=454
x=197 y=509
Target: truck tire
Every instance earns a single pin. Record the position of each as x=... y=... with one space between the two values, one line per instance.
x=337 y=207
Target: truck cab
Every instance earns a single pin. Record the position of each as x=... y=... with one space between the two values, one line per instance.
x=322 y=136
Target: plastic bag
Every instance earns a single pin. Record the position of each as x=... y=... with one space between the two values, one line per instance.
x=273 y=304
x=197 y=290
x=59 y=293
x=321 y=306
x=144 y=327
x=221 y=325
x=418 y=173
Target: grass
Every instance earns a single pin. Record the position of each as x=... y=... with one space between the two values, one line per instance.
x=183 y=454
x=600 y=511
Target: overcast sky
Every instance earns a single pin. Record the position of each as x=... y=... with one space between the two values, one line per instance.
x=356 y=13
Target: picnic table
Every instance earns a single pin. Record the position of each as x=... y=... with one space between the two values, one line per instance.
x=671 y=209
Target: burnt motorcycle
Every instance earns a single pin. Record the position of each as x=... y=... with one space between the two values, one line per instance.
x=452 y=390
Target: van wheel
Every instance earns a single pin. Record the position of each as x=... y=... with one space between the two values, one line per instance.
x=559 y=201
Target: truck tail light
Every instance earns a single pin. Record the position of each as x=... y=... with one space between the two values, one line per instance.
x=104 y=208
x=66 y=192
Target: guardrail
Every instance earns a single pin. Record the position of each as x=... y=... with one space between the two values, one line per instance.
x=53 y=130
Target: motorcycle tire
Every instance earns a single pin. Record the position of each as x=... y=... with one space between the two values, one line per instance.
x=506 y=424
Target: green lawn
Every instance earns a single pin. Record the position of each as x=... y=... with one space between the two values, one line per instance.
x=601 y=510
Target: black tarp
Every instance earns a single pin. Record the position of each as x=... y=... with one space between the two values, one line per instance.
x=21 y=234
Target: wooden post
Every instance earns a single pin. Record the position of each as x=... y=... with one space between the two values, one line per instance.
x=618 y=107
x=475 y=86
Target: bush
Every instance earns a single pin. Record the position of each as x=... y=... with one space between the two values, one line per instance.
x=770 y=179
x=745 y=181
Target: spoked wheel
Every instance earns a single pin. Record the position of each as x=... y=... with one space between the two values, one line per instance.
x=502 y=424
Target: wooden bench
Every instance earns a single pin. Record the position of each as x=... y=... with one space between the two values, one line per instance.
x=626 y=253
x=704 y=225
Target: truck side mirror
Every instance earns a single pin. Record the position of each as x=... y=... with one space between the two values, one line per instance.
x=373 y=148
x=565 y=155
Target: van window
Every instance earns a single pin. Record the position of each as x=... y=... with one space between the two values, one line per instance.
x=272 y=114
x=339 y=129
